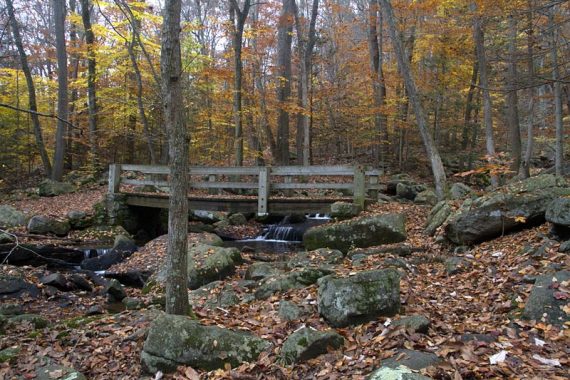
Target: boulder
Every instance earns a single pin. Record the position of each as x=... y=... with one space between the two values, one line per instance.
x=79 y=220
x=359 y=298
x=14 y=286
x=412 y=359
x=115 y=290
x=54 y=371
x=426 y=197
x=546 y=302
x=413 y=323
x=41 y=224
x=259 y=271
x=437 y=217
x=37 y=321
x=459 y=191
x=308 y=343
x=103 y=262
x=359 y=232
x=175 y=340
x=133 y=278
x=319 y=258
x=124 y=244
x=57 y=280
x=409 y=190
x=10 y=309
x=292 y=280
x=10 y=217
x=398 y=373
x=564 y=247
x=344 y=210
x=207 y=263
x=394 y=180
x=392 y=249
x=516 y=206
x=288 y=311
x=455 y=264
x=49 y=188
x=558 y=213
x=237 y=219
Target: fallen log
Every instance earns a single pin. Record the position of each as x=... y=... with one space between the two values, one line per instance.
x=36 y=255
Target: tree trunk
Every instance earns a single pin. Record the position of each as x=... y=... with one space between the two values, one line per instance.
x=59 y=12
x=171 y=73
x=31 y=89
x=524 y=171
x=306 y=45
x=479 y=38
x=513 y=99
x=559 y=150
x=284 y=39
x=91 y=86
x=238 y=17
x=433 y=154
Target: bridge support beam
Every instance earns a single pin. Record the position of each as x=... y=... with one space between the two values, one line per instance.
x=263 y=191
x=359 y=195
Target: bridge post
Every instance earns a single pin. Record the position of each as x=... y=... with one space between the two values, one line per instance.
x=373 y=193
x=263 y=191
x=114 y=178
x=359 y=190
x=212 y=178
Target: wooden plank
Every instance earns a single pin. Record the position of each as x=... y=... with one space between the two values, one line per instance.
x=263 y=191
x=114 y=178
x=231 y=170
x=321 y=170
x=359 y=191
x=338 y=186
x=223 y=185
x=149 y=169
x=373 y=182
x=212 y=178
x=142 y=182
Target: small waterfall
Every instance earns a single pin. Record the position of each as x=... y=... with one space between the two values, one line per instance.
x=95 y=252
x=278 y=232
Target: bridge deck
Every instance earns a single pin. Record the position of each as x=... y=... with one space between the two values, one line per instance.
x=275 y=205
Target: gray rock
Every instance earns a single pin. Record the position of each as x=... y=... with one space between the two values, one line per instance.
x=95 y=310
x=237 y=219
x=414 y=323
x=46 y=373
x=542 y=304
x=15 y=286
x=308 y=343
x=459 y=191
x=10 y=217
x=319 y=258
x=455 y=264
x=175 y=340
x=383 y=198
x=359 y=232
x=513 y=207
x=393 y=249
x=564 y=247
x=11 y=309
x=124 y=244
x=79 y=220
x=415 y=360
x=437 y=216
x=359 y=298
x=288 y=311
x=49 y=188
x=558 y=213
x=9 y=354
x=344 y=210
x=41 y=224
x=409 y=190
x=57 y=280
x=399 y=373
x=260 y=270
x=208 y=263
x=426 y=197
x=80 y=282
x=293 y=280
x=486 y=338
x=132 y=303
x=115 y=290
x=37 y=321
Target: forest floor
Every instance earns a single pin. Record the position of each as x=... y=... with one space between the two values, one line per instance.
x=485 y=297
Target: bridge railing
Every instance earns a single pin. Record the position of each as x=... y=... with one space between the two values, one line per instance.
x=358 y=180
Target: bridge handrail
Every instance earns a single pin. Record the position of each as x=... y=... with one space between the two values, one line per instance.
x=365 y=180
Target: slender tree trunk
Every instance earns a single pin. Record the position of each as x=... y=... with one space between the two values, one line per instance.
x=431 y=149
x=513 y=99
x=91 y=83
x=524 y=171
x=31 y=89
x=171 y=72
x=479 y=38
x=73 y=41
x=284 y=40
x=559 y=150
x=59 y=12
x=238 y=17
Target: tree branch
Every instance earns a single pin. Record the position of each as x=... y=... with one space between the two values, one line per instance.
x=37 y=113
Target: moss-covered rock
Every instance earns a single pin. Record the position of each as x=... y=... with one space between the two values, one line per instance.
x=292 y=280
x=344 y=210
x=54 y=371
x=49 y=188
x=414 y=323
x=359 y=298
x=41 y=224
x=319 y=258
x=10 y=217
x=207 y=263
x=9 y=354
x=260 y=270
x=308 y=343
x=542 y=302
x=359 y=232
x=437 y=217
x=288 y=311
x=37 y=321
x=175 y=340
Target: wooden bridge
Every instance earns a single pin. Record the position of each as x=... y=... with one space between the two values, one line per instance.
x=272 y=189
